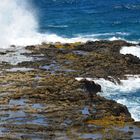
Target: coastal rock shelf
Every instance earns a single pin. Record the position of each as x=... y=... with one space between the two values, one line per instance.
x=46 y=102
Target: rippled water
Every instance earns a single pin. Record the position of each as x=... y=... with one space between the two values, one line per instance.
x=89 y=18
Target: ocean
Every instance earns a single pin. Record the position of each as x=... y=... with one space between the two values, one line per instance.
x=97 y=19
x=28 y=22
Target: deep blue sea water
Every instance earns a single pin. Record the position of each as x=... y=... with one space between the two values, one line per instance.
x=102 y=19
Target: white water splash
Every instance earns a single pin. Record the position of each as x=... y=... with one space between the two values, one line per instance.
x=134 y=50
x=124 y=93
x=18 y=26
x=16 y=22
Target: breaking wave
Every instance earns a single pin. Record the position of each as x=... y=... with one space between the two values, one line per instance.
x=127 y=93
x=134 y=50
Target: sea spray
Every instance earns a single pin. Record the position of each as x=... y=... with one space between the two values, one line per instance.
x=16 y=23
x=18 y=26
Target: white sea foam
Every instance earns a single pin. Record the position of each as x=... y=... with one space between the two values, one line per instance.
x=38 y=38
x=111 y=35
x=134 y=50
x=132 y=84
x=123 y=33
x=115 y=38
x=121 y=38
x=15 y=56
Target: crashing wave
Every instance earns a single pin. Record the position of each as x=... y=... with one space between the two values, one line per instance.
x=134 y=50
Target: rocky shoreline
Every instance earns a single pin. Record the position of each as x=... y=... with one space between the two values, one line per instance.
x=41 y=99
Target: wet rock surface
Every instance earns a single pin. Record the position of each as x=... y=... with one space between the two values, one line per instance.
x=40 y=98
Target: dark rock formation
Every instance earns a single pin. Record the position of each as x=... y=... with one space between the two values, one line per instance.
x=51 y=102
x=91 y=87
x=98 y=59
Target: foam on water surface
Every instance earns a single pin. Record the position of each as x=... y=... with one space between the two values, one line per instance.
x=15 y=56
x=126 y=93
x=134 y=50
